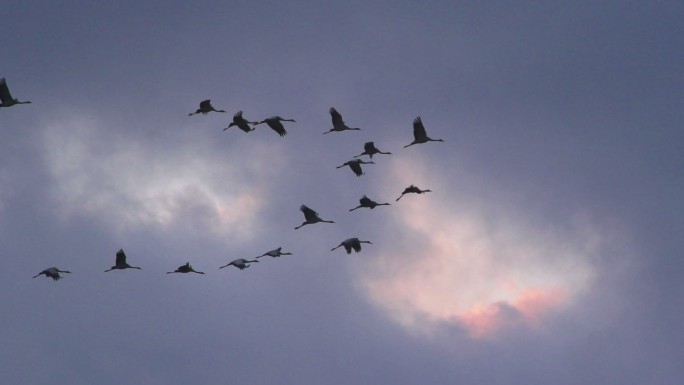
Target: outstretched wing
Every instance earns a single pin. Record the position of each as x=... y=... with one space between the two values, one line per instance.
x=205 y=104
x=5 y=95
x=275 y=124
x=419 y=129
x=309 y=214
x=238 y=116
x=120 y=257
x=369 y=147
x=336 y=117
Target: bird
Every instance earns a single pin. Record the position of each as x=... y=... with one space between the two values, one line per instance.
x=120 y=263
x=351 y=244
x=240 y=263
x=274 y=253
x=205 y=107
x=53 y=273
x=419 y=134
x=355 y=165
x=185 y=269
x=240 y=122
x=367 y=202
x=310 y=216
x=370 y=149
x=275 y=123
x=338 y=123
x=412 y=189
x=6 y=99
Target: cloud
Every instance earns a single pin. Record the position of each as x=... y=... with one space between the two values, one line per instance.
x=458 y=258
x=124 y=181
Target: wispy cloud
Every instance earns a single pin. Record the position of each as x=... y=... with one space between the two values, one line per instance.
x=122 y=182
x=466 y=260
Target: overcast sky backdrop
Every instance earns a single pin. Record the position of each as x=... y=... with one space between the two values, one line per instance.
x=549 y=251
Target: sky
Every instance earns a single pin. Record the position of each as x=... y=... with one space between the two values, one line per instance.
x=548 y=250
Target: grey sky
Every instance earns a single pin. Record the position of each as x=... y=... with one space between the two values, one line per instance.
x=547 y=252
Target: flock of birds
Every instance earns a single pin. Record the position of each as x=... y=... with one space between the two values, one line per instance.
x=310 y=216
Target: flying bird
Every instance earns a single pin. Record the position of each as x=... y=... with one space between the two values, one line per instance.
x=185 y=269
x=6 y=99
x=53 y=273
x=419 y=134
x=338 y=123
x=355 y=166
x=205 y=107
x=351 y=244
x=370 y=149
x=120 y=263
x=275 y=123
x=241 y=123
x=367 y=202
x=412 y=189
x=310 y=217
x=274 y=253
x=240 y=263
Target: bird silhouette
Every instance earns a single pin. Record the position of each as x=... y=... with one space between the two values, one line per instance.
x=355 y=165
x=369 y=203
x=338 y=123
x=240 y=263
x=412 y=189
x=351 y=244
x=310 y=217
x=419 y=134
x=53 y=273
x=240 y=122
x=275 y=123
x=185 y=269
x=6 y=99
x=120 y=263
x=370 y=149
x=274 y=253
x=205 y=107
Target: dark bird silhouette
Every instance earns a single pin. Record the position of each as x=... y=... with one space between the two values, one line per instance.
x=338 y=123
x=351 y=244
x=274 y=253
x=419 y=134
x=6 y=99
x=53 y=273
x=370 y=149
x=355 y=166
x=367 y=202
x=241 y=123
x=120 y=263
x=310 y=217
x=240 y=263
x=185 y=269
x=412 y=189
x=275 y=123
x=205 y=107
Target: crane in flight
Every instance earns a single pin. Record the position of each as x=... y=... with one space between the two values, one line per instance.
x=121 y=263
x=310 y=217
x=240 y=263
x=338 y=123
x=185 y=269
x=240 y=122
x=52 y=272
x=6 y=99
x=369 y=203
x=419 y=134
x=274 y=253
x=412 y=189
x=205 y=107
x=351 y=244
x=275 y=123
x=355 y=166
x=370 y=150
